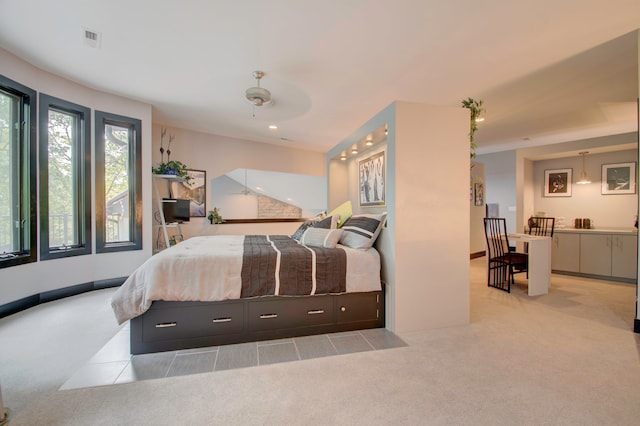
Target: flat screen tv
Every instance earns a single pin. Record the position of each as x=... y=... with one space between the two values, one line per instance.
x=175 y=210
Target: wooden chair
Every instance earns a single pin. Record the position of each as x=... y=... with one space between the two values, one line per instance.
x=502 y=263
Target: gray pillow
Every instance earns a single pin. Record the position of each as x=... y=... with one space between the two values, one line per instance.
x=320 y=237
x=298 y=234
x=361 y=231
x=329 y=222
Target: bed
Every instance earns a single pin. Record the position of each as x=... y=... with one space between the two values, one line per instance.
x=215 y=290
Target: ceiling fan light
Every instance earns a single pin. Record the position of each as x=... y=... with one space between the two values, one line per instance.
x=258 y=96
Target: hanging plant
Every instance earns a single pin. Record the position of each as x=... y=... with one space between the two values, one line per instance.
x=475 y=108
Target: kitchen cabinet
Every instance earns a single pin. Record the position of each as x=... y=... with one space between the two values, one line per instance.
x=565 y=252
x=596 y=252
x=624 y=255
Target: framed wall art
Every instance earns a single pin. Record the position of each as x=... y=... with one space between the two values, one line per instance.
x=557 y=183
x=371 y=181
x=619 y=178
x=195 y=190
x=479 y=194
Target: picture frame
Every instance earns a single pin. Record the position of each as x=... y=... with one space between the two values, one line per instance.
x=194 y=190
x=371 y=181
x=558 y=182
x=618 y=178
x=478 y=189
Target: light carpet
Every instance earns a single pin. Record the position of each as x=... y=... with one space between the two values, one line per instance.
x=568 y=357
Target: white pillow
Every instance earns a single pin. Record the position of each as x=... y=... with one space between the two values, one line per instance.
x=321 y=237
x=361 y=231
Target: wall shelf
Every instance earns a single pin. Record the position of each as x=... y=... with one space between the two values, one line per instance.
x=163 y=223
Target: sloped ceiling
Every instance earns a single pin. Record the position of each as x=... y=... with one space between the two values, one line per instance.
x=548 y=71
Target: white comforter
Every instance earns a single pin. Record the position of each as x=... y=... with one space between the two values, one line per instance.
x=185 y=272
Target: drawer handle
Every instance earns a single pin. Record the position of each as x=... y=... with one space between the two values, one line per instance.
x=166 y=324
x=343 y=309
x=267 y=316
x=315 y=312
x=218 y=320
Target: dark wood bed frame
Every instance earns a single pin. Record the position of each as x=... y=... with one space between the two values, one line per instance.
x=183 y=325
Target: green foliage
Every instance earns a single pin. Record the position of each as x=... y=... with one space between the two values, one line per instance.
x=214 y=216
x=172 y=167
x=476 y=109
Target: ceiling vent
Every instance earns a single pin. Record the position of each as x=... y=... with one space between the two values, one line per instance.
x=92 y=38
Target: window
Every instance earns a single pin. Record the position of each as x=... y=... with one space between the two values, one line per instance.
x=65 y=178
x=118 y=183
x=18 y=177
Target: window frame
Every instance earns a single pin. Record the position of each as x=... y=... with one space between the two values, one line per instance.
x=27 y=178
x=82 y=168
x=101 y=119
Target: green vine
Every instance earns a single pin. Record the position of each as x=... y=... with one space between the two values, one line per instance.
x=476 y=109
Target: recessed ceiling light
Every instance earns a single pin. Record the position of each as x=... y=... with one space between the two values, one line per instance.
x=273 y=127
x=343 y=157
x=354 y=151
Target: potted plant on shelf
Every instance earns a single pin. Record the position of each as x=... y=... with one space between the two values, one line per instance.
x=171 y=167
x=214 y=216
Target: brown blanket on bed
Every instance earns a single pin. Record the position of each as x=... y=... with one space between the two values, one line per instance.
x=279 y=265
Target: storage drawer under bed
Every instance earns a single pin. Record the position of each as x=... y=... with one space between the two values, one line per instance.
x=194 y=321
x=356 y=307
x=288 y=312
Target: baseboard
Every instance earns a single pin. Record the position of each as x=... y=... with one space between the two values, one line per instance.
x=478 y=254
x=636 y=325
x=60 y=293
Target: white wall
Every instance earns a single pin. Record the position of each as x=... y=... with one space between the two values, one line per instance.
x=500 y=188
x=425 y=246
x=25 y=280
x=586 y=201
x=218 y=155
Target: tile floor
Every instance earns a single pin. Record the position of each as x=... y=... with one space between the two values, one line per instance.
x=113 y=364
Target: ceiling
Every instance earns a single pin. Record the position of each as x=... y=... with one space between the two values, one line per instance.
x=547 y=71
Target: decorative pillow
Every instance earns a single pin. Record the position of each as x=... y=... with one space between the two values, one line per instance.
x=320 y=215
x=320 y=237
x=344 y=210
x=330 y=222
x=298 y=234
x=361 y=231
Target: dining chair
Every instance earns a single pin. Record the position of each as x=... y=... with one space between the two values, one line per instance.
x=502 y=263
x=540 y=226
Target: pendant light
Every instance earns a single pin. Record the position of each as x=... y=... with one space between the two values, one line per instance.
x=583 y=177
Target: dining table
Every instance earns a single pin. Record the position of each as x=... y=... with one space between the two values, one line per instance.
x=539 y=267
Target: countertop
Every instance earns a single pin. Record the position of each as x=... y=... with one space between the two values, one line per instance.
x=605 y=230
